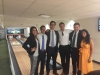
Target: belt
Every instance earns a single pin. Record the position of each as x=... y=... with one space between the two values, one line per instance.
x=42 y=50
x=63 y=45
x=52 y=47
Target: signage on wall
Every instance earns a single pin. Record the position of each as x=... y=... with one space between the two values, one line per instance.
x=15 y=31
x=99 y=24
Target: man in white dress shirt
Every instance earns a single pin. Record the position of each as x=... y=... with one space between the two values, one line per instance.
x=64 y=48
x=42 y=38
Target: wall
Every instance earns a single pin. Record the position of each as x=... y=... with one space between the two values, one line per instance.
x=26 y=31
x=68 y=25
x=91 y=24
x=3 y=33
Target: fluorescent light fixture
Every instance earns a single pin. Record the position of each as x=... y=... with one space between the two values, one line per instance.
x=43 y=15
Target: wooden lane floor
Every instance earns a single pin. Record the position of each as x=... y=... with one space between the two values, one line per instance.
x=21 y=56
x=24 y=62
x=95 y=66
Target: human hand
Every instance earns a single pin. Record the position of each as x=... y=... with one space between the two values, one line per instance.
x=47 y=30
x=89 y=60
x=33 y=49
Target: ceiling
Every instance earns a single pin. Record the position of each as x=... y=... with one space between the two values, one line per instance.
x=22 y=13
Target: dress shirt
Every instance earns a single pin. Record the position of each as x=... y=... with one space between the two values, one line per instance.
x=51 y=38
x=64 y=37
x=39 y=37
x=75 y=38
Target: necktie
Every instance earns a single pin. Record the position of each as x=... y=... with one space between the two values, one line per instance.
x=52 y=43
x=42 y=42
x=73 y=41
x=62 y=34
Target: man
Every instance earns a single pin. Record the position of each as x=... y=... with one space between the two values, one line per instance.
x=52 y=47
x=42 y=38
x=64 y=48
x=75 y=39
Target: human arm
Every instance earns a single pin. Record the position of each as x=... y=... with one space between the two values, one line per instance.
x=91 y=49
x=26 y=45
x=29 y=45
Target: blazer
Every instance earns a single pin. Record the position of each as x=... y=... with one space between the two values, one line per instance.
x=29 y=43
x=48 y=38
x=79 y=39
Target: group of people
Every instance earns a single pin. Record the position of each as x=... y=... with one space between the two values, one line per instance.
x=75 y=44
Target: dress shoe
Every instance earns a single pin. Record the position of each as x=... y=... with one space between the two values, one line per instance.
x=47 y=74
x=62 y=73
x=56 y=74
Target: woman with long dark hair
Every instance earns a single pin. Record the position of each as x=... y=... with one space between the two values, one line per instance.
x=86 y=51
x=31 y=46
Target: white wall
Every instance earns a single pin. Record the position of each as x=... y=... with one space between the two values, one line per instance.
x=3 y=33
x=91 y=24
x=26 y=31
x=68 y=25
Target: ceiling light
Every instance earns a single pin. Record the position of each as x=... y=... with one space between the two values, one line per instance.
x=43 y=15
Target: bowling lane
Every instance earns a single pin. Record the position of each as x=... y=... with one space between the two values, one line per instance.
x=21 y=57
x=23 y=39
x=58 y=58
x=95 y=65
x=24 y=62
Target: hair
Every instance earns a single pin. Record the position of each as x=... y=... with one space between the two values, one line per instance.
x=42 y=27
x=87 y=38
x=31 y=34
x=76 y=24
x=52 y=22
x=61 y=23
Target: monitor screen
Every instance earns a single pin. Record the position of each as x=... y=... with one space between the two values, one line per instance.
x=99 y=24
x=15 y=31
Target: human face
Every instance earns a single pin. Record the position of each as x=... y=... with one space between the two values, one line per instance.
x=52 y=26
x=62 y=26
x=84 y=34
x=43 y=30
x=34 y=31
x=76 y=28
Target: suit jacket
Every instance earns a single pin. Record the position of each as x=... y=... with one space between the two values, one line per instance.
x=79 y=39
x=48 y=39
x=29 y=43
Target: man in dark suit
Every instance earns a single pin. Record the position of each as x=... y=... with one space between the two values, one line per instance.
x=52 y=47
x=75 y=40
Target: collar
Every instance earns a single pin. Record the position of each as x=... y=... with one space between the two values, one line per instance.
x=77 y=31
x=52 y=30
x=42 y=34
x=62 y=31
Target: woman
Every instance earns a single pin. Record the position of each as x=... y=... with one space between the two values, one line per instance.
x=86 y=51
x=31 y=46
